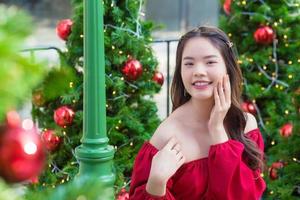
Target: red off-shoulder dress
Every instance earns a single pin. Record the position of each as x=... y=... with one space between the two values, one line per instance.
x=223 y=175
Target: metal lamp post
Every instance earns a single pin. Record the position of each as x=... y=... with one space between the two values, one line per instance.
x=94 y=154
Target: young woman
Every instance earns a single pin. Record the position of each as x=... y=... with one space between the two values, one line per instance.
x=208 y=148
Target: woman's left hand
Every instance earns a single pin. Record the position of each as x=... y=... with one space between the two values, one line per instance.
x=222 y=96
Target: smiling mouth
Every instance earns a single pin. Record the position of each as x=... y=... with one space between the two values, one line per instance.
x=201 y=83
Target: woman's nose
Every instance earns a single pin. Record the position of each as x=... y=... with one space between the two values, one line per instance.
x=199 y=70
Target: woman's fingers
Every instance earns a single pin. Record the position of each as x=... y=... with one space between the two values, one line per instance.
x=227 y=89
x=216 y=96
x=177 y=148
x=221 y=93
x=171 y=143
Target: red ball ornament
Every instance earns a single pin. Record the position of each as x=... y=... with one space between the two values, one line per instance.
x=123 y=195
x=22 y=154
x=274 y=169
x=227 y=6
x=264 y=35
x=249 y=107
x=286 y=130
x=63 y=28
x=158 y=78
x=50 y=140
x=132 y=70
x=63 y=116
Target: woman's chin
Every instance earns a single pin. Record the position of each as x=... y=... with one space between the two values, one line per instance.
x=202 y=96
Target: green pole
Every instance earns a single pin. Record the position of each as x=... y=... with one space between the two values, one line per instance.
x=94 y=154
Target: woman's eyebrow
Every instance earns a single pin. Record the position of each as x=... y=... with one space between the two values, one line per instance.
x=210 y=56
x=205 y=57
x=188 y=58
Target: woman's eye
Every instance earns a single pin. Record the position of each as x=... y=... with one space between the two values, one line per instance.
x=188 y=64
x=211 y=62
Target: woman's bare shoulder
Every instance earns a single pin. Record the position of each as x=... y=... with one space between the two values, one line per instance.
x=164 y=132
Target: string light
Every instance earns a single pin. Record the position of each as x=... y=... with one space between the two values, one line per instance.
x=286 y=112
x=81 y=35
x=106 y=105
x=120 y=121
x=295 y=159
x=290 y=76
x=71 y=84
x=114 y=92
x=120 y=52
x=259 y=73
x=281 y=87
x=113 y=47
x=290 y=62
x=286 y=45
x=273 y=142
x=131 y=144
x=229 y=34
x=285 y=36
x=264 y=67
x=244 y=2
x=275 y=23
x=272 y=192
x=74 y=101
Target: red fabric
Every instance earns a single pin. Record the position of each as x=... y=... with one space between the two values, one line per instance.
x=222 y=175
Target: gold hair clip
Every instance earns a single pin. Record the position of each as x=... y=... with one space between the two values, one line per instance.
x=230 y=44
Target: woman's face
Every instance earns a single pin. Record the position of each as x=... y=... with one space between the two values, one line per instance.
x=201 y=62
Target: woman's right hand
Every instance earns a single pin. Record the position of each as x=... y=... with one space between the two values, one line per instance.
x=166 y=161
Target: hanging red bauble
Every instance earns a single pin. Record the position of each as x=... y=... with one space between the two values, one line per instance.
x=63 y=28
x=50 y=140
x=227 y=6
x=249 y=107
x=22 y=154
x=264 y=35
x=132 y=70
x=274 y=169
x=123 y=195
x=63 y=116
x=286 y=130
x=158 y=78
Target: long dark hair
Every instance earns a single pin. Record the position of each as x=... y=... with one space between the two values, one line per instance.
x=235 y=120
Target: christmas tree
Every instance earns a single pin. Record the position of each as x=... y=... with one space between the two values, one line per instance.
x=22 y=154
x=265 y=34
x=131 y=81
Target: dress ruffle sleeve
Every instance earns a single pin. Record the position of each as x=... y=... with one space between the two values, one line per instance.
x=140 y=175
x=229 y=176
